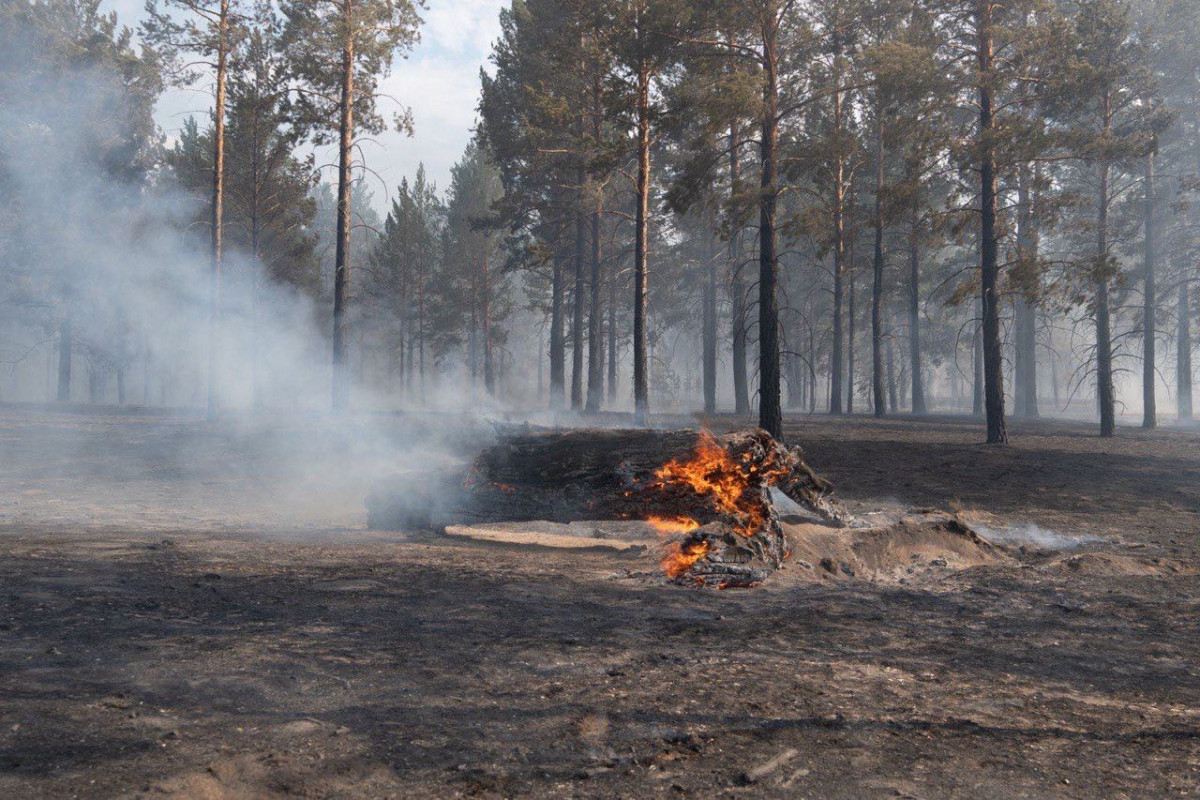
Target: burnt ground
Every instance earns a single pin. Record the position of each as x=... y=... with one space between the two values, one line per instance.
x=198 y=611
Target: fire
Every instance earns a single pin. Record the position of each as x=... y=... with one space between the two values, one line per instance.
x=682 y=555
x=731 y=486
x=669 y=526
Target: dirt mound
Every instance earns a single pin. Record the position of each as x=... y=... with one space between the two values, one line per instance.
x=910 y=548
x=1116 y=565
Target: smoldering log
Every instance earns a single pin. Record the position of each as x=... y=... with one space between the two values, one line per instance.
x=568 y=476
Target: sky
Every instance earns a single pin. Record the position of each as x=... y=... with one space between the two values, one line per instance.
x=439 y=81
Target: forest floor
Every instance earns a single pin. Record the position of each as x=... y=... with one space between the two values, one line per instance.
x=198 y=611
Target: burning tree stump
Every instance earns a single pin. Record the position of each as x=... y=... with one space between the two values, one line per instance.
x=710 y=495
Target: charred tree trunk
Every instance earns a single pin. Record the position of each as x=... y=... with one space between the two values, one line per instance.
x=612 y=337
x=737 y=289
x=1183 y=354
x=1103 y=315
x=1149 y=306
x=595 y=390
x=770 y=414
x=989 y=266
x=1027 y=289
x=626 y=474
x=558 y=349
x=914 y=309
x=710 y=336
x=577 y=319
x=850 y=336
x=877 y=286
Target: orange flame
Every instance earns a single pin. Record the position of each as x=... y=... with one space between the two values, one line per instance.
x=713 y=473
x=682 y=555
x=669 y=526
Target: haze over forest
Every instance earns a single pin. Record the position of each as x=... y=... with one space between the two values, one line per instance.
x=863 y=206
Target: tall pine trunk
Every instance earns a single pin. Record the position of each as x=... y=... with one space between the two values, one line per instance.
x=217 y=223
x=989 y=262
x=770 y=414
x=341 y=281
x=1025 y=314
x=877 y=386
x=641 y=377
x=737 y=286
x=839 y=236
x=485 y=314
x=710 y=335
x=1104 y=368
x=558 y=345
x=914 y=309
x=1149 y=306
x=595 y=390
x=577 y=319
x=612 y=337
x=850 y=337
x=977 y=401
x=1183 y=354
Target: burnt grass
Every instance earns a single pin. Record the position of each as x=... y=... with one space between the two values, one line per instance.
x=235 y=658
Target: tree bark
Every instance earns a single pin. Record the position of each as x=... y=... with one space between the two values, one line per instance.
x=1149 y=306
x=914 y=309
x=850 y=336
x=595 y=390
x=1104 y=375
x=737 y=288
x=710 y=336
x=1025 y=315
x=612 y=337
x=1183 y=354
x=641 y=377
x=839 y=235
x=558 y=349
x=217 y=223
x=342 y=266
x=977 y=401
x=989 y=267
x=877 y=385
x=577 y=320
x=770 y=414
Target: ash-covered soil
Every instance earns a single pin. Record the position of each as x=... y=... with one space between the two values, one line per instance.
x=198 y=611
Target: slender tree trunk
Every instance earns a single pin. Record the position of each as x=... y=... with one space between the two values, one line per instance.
x=612 y=336
x=1104 y=375
x=893 y=401
x=914 y=310
x=977 y=400
x=839 y=236
x=989 y=267
x=485 y=313
x=1183 y=354
x=737 y=290
x=710 y=336
x=558 y=349
x=579 y=300
x=641 y=377
x=877 y=287
x=217 y=223
x=342 y=266
x=1025 y=362
x=770 y=414
x=1149 y=307
x=850 y=336
x=595 y=390
x=64 y=358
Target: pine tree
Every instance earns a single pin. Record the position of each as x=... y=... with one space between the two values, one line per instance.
x=339 y=49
